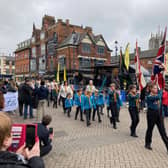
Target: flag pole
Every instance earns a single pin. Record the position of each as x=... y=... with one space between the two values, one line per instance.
x=163 y=73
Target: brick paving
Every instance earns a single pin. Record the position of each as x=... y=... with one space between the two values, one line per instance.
x=100 y=146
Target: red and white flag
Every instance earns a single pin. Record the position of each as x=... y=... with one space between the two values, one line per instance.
x=140 y=78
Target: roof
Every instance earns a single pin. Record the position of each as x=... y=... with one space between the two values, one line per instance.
x=75 y=38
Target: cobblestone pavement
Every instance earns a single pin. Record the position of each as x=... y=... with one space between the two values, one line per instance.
x=100 y=146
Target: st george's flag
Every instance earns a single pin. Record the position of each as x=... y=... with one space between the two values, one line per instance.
x=138 y=72
x=158 y=64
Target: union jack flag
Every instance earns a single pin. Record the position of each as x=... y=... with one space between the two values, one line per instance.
x=158 y=64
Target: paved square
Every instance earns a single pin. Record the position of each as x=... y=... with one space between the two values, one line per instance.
x=100 y=146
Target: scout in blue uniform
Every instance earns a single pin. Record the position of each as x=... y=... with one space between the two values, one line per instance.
x=68 y=104
x=113 y=98
x=119 y=104
x=107 y=103
x=94 y=101
x=87 y=107
x=133 y=99
x=78 y=101
x=100 y=102
x=154 y=116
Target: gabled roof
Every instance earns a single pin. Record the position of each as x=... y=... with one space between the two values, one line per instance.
x=100 y=36
x=75 y=38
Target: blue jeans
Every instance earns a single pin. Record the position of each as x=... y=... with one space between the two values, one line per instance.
x=30 y=110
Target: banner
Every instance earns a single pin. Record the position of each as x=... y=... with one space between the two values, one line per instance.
x=11 y=101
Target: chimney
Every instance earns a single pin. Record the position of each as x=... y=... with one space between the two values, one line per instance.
x=67 y=22
x=88 y=29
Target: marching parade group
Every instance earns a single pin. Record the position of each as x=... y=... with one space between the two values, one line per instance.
x=90 y=103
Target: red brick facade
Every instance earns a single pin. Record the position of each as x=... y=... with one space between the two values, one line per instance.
x=59 y=31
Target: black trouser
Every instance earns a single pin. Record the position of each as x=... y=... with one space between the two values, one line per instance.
x=108 y=109
x=100 y=109
x=134 y=114
x=78 y=109
x=154 y=117
x=118 y=114
x=55 y=101
x=63 y=103
x=113 y=108
x=59 y=101
x=44 y=150
x=68 y=110
x=98 y=114
x=88 y=116
x=20 y=107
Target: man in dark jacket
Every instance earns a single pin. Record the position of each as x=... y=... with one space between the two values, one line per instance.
x=42 y=93
x=20 y=99
x=45 y=136
x=27 y=91
x=23 y=157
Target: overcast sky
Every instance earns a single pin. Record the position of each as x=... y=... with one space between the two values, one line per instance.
x=121 y=20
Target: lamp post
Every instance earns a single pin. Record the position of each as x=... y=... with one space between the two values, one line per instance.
x=116 y=47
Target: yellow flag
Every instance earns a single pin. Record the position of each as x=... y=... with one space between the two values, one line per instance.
x=64 y=73
x=127 y=58
x=58 y=69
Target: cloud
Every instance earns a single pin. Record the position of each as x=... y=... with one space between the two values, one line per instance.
x=124 y=21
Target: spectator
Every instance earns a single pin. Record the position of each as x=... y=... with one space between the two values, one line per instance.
x=20 y=99
x=42 y=93
x=45 y=136
x=91 y=87
x=2 y=101
x=27 y=91
x=23 y=157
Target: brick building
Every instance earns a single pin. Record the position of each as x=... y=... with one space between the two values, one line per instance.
x=7 y=65
x=75 y=47
x=22 y=62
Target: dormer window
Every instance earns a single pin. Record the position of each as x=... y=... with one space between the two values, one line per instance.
x=86 y=48
x=100 y=50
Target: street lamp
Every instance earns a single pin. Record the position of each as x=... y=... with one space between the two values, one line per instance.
x=116 y=47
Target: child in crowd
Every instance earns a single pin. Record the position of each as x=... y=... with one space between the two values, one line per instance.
x=77 y=100
x=87 y=107
x=133 y=99
x=100 y=102
x=55 y=95
x=68 y=104
x=94 y=101
x=107 y=103
x=113 y=99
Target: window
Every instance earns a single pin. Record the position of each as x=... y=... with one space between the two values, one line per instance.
x=62 y=62
x=33 y=39
x=13 y=71
x=34 y=52
x=7 y=62
x=42 y=35
x=100 y=50
x=99 y=62
x=7 y=71
x=42 y=49
x=86 y=48
x=84 y=62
